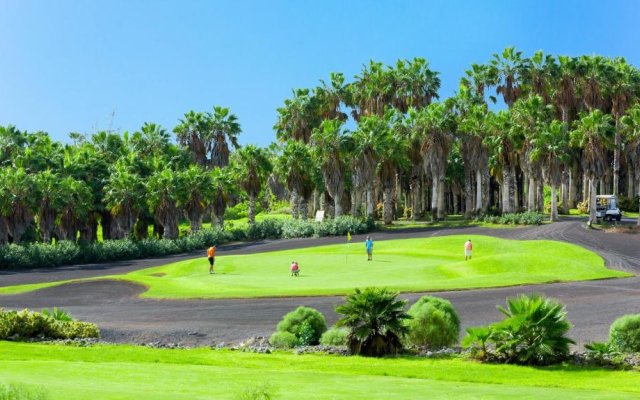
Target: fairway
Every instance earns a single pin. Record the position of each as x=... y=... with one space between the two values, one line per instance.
x=405 y=265
x=116 y=372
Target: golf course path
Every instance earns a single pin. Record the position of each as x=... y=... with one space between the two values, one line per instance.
x=124 y=317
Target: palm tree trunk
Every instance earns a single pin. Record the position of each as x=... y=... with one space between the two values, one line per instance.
x=304 y=208
x=540 y=196
x=468 y=193
x=4 y=231
x=573 y=189
x=195 y=223
x=357 y=201
x=630 y=181
x=387 y=201
x=370 y=213
x=513 y=190
x=531 y=195
x=251 y=212
x=506 y=186
x=616 y=158
x=592 y=201
x=479 y=192
x=565 y=193
x=415 y=199
x=337 y=203
x=441 y=199
x=586 y=186
x=434 y=199
x=554 y=203
x=294 y=204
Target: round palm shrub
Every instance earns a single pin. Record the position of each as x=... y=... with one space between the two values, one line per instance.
x=307 y=324
x=334 y=337
x=283 y=340
x=624 y=333
x=533 y=332
x=375 y=319
x=435 y=323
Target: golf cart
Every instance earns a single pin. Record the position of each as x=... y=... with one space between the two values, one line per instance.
x=607 y=208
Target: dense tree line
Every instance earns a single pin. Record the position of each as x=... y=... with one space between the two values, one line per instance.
x=570 y=123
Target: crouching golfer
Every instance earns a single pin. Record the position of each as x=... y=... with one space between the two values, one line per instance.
x=211 y=254
x=295 y=268
x=467 y=250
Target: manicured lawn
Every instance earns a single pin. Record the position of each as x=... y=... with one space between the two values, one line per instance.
x=125 y=372
x=405 y=265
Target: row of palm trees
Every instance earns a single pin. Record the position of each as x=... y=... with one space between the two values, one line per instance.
x=570 y=123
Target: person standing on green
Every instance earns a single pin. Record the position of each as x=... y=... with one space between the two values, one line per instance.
x=368 y=244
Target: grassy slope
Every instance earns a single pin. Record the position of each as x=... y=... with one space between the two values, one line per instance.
x=405 y=265
x=117 y=372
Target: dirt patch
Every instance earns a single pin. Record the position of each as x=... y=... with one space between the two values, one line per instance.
x=624 y=229
x=158 y=274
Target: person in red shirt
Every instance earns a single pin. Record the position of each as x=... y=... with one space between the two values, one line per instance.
x=295 y=268
x=211 y=254
x=468 y=247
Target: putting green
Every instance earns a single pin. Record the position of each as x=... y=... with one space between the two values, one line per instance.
x=126 y=372
x=424 y=264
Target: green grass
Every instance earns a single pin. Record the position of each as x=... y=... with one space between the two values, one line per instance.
x=409 y=265
x=126 y=372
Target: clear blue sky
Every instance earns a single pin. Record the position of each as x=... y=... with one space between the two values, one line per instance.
x=68 y=65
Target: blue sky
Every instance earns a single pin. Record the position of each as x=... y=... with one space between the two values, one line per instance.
x=89 y=65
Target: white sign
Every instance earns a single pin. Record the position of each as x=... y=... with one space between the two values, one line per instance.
x=319 y=216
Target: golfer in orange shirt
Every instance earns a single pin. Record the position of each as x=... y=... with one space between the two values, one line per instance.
x=211 y=254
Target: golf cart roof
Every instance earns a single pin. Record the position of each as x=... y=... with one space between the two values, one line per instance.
x=605 y=196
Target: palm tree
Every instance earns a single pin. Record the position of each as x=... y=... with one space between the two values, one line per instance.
x=550 y=147
x=415 y=84
x=298 y=117
x=223 y=186
x=506 y=70
x=366 y=144
x=165 y=190
x=328 y=142
x=252 y=165
x=223 y=125
x=197 y=185
x=12 y=142
x=123 y=195
x=539 y=74
x=594 y=80
x=436 y=124
x=593 y=134
x=152 y=139
x=631 y=124
x=194 y=133
x=296 y=166
x=17 y=203
x=51 y=196
x=375 y=320
x=504 y=145
x=77 y=208
x=329 y=97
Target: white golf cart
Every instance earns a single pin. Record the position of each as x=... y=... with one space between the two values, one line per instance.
x=607 y=208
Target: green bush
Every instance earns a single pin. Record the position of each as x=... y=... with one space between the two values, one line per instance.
x=533 y=332
x=283 y=340
x=526 y=218
x=304 y=322
x=583 y=207
x=434 y=323
x=603 y=354
x=334 y=337
x=629 y=204
x=28 y=324
x=294 y=228
x=12 y=391
x=624 y=334
x=268 y=228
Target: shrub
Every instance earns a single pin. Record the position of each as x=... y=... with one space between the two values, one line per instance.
x=57 y=314
x=624 y=334
x=583 y=207
x=533 y=332
x=268 y=228
x=283 y=340
x=27 y=324
x=629 y=204
x=477 y=341
x=293 y=228
x=305 y=323
x=526 y=218
x=603 y=354
x=375 y=320
x=334 y=337
x=434 y=323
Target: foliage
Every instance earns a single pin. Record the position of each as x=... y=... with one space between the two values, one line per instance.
x=27 y=324
x=583 y=207
x=306 y=323
x=334 y=337
x=375 y=319
x=533 y=332
x=624 y=334
x=603 y=354
x=526 y=218
x=477 y=341
x=284 y=340
x=629 y=204
x=58 y=314
x=12 y=391
x=434 y=323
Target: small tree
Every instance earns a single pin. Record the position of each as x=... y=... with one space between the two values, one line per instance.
x=375 y=319
x=434 y=323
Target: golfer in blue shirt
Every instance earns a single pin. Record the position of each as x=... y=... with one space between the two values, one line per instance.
x=368 y=244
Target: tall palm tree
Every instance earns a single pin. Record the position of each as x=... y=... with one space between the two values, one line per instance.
x=224 y=126
x=631 y=124
x=12 y=142
x=224 y=187
x=77 y=208
x=593 y=133
x=17 y=203
x=437 y=123
x=415 y=84
x=506 y=71
x=165 y=189
x=328 y=142
x=504 y=146
x=295 y=165
x=298 y=117
x=365 y=147
x=329 y=97
x=539 y=74
x=197 y=186
x=51 y=196
x=194 y=133
x=550 y=148
x=252 y=165
x=123 y=195
x=594 y=80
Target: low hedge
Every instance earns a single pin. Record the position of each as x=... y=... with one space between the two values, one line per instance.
x=28 y=324
x=526 y=218
x=41 y=255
